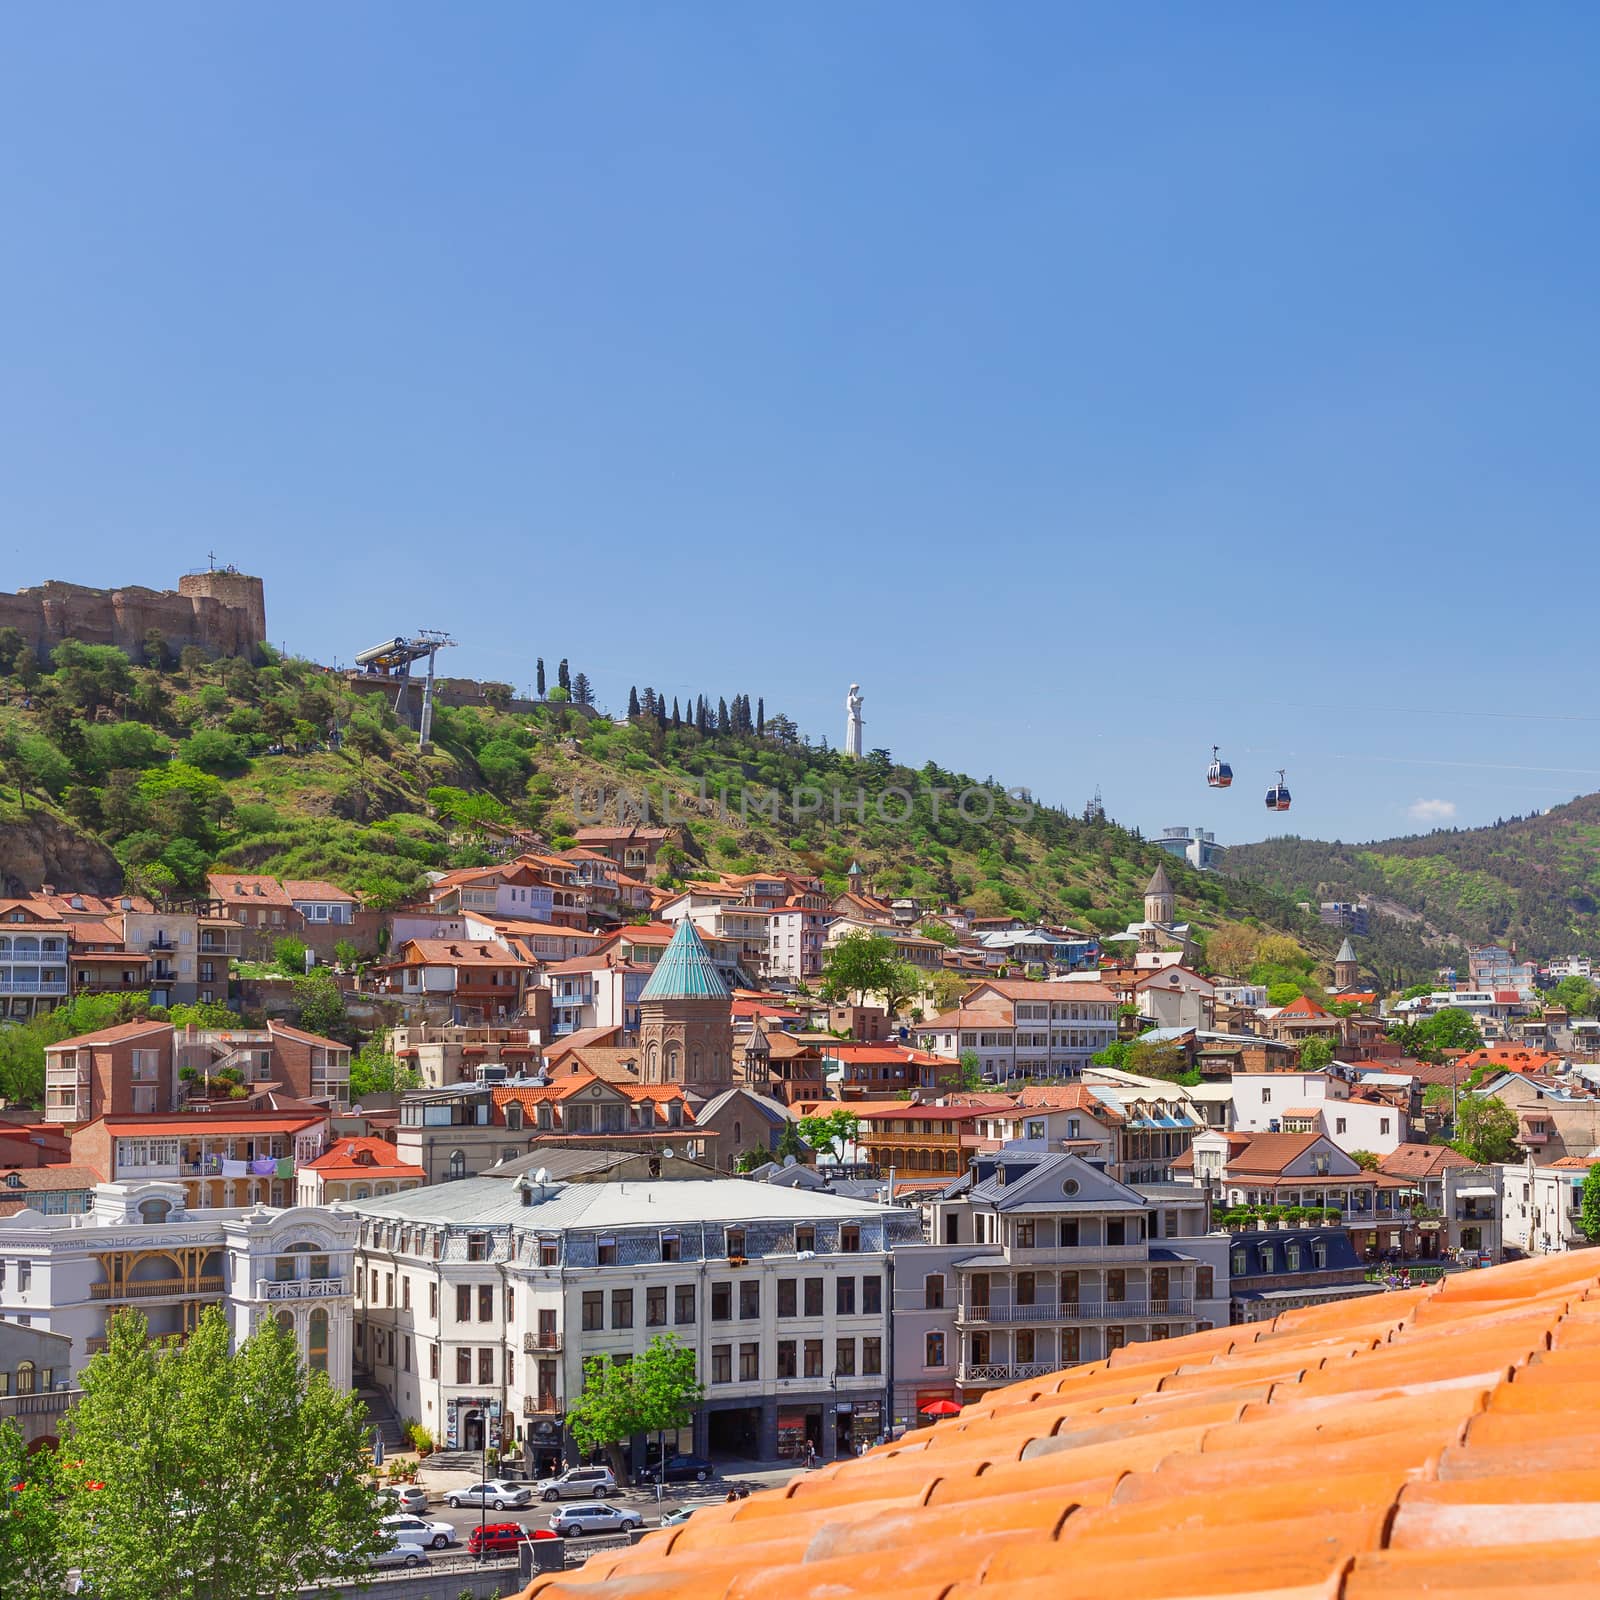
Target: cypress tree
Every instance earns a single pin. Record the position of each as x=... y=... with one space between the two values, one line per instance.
x=677 y=721
x=633 y=701
x=722 y=715
x=761 y=717
x=563 y=677
x=540 y=671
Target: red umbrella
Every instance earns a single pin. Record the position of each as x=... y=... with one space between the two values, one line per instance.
x=941 y=1408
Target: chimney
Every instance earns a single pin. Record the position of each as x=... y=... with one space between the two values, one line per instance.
x=47 y=888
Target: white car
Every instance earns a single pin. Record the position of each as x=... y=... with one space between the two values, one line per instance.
x=497 y=1494
x=571 y=1522
x=578 y=1483
x=419 y=1530
x=401 y=1555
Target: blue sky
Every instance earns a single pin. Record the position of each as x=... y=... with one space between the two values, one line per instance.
x=1090 y=383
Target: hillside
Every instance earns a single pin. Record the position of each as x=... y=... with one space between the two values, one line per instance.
x=1531 y=880
x=158 y=773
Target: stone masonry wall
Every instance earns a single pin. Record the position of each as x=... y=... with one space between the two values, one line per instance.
x=223 y=613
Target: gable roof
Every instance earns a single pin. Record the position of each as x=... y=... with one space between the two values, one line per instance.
x=343 y=1158
x=1415 y=1442
x=1421 y=1160
x=686 y=970
x=1303 y=1006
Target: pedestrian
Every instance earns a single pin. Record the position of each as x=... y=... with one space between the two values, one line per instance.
x=733 y=1494
x=811 y=1454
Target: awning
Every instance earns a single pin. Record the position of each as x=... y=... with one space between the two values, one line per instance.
x=1483 y=1192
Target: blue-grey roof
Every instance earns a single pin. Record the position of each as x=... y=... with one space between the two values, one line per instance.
x=685 y=970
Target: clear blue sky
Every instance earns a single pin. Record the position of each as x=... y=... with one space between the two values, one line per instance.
x=1090 y=383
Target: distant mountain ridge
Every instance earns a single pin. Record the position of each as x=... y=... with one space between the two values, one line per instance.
x=1532 y=881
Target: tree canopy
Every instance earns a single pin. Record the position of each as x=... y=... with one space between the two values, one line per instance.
x=1486 y=1129
x=198 y=1471
x=864 y=963
x=655 y=1390
x=1431 y=1036
x=1589 y=1205
x=832 y=1130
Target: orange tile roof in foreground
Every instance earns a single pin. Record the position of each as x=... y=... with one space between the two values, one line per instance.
x=1423 y=1442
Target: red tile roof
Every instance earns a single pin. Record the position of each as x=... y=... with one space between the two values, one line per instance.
x=343 y=1160
x=1302 y=1006
x=1422 y=1442
x=122 y=1031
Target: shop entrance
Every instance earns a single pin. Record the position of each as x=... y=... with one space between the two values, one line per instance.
x=734 y=1432
x=472 y=1431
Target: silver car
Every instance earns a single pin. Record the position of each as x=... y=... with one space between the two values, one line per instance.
x=408 y=1497
x=571 y=1522
x=419 y=1530
x=578 y=1483
x=496 y=1493
x=401 y=1555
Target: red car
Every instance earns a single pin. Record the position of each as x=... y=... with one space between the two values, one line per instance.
x=501 y=1538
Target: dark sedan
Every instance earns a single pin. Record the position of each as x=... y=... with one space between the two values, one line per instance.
x=681 y=1469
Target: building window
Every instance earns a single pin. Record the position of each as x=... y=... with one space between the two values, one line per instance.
x=486 y=1364
x=606 y=1252
x=433 y=1299
x=787 y=1365
x=749 y=1363
x=433 y=1361
x=722 y=1363
x=844 y=1292
x=844 y=1358
x=458 y=1164
x=933 y=1350
x=622 y=1308
x=850 y=1238
x=655 y=1308
x=463 y=1300
x=1025 y=1236
x=872 y=1296
x=1116 y=1285
x=722 y=1302
x=463 y=1365
x=813 y=1356
x=1241 y=1263
x=813 y=1297
x=786 y=1297
x=485 y=1302
x=317 y=1341
x=683 y=1304
x=477 y=1247
x=735 y=1241
x=805 y=1238
x=872 y=1357
x=669 y=1247
x=750 y=1300
x=1204 y=1287
x=594 y=1310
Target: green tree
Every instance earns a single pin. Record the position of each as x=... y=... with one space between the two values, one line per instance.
x=211 y=1473
x=1365 y=1159
x=791 y=1144
x=289 y=956
x=1486 y=1129
x=32 y=1564
x=212 y=750
x=1430 y=1038
x=656 y=1390
x=374 y=1071
x=319 y=1004
x=830 y=1130
x=1578 y=995
x=940 y=932
x=864 y=963
x=971 y=1071
x=1589 y=1214
x=1316 y=1052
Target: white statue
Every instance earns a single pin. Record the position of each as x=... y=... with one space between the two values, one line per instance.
x=852 y=726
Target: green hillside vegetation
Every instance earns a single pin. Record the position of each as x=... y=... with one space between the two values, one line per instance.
x=1534 y=881
x=178 y=766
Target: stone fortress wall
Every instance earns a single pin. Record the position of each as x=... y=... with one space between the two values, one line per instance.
x=222 y=611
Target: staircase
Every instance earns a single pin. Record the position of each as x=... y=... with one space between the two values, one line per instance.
x=380 y=1414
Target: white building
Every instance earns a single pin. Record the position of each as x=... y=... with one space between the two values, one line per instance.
x=139 y=1246
x=1023 y=1029
x=1541 y=1207
x=481 y=1299
x=1317 y=1102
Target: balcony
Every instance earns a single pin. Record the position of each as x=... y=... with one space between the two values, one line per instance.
x=1003 y=1371
x=1076 y=1311
x=544 y=1406
x=155 y=1289
x=299 y=1288
x=1087 y=1255
x=533 y=1342
x=47 y=1403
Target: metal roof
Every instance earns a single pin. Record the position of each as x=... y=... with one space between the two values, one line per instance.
x=685 y=970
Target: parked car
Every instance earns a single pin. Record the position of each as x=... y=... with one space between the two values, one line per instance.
x=571 y=1522
x=420 y=1530
x=401 y=1555
x=680 y=1468
x=682 y=1514
x=497 y=1494
x=495 y=1538
x=578 y=1483
x=407 y=1497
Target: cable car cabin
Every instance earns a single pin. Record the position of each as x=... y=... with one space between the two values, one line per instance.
x=1219 y=774
x=1278 y=795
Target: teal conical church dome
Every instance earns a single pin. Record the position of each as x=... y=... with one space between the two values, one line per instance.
x=686 y=970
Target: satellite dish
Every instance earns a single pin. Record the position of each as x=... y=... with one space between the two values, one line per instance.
x=668 y=1152
x=542 y=1176
x=788 y=1161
